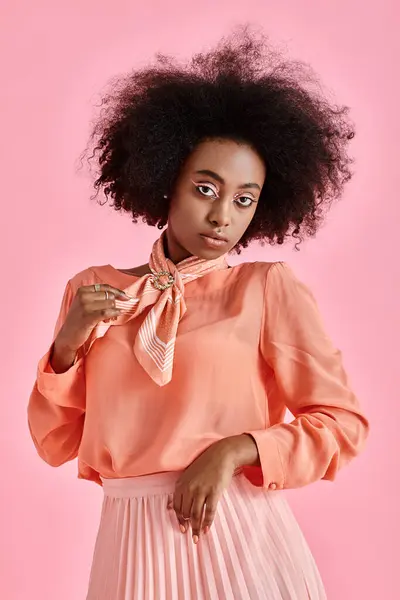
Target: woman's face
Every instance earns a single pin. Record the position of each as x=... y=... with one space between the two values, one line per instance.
x=214 y=199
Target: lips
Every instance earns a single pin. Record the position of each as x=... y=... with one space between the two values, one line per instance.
x=215 y=236
x=213 y=241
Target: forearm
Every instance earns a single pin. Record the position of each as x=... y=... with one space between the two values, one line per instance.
x=56 y=411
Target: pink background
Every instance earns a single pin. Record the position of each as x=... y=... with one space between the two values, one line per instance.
x=56 y=57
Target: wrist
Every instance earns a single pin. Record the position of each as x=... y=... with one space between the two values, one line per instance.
x=63 y=356
x=242 y=450
x=63 y=344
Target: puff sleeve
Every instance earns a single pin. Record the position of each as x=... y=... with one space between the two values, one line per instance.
x=329 y=428
x=56 y=406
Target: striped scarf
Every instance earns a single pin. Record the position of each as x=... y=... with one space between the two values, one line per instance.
x=164 y=290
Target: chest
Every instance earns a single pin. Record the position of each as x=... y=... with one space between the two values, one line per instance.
x=218 y=335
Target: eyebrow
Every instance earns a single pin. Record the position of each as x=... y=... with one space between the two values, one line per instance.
x=222 y=181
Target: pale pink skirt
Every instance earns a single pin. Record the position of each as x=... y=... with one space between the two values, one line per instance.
x=255 y=549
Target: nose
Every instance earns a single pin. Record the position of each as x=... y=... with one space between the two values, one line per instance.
x=220 y=213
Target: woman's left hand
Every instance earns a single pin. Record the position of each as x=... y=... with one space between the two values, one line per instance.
x=201 y=485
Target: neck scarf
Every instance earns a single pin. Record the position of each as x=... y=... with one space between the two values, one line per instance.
x=164 y=290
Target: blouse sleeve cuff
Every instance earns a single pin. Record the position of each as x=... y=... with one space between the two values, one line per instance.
x=270 y=459
x=64 y=389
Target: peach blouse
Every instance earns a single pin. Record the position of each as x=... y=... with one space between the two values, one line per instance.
x=251 y=344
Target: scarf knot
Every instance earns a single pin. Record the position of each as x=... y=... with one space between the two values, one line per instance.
x=164 y=290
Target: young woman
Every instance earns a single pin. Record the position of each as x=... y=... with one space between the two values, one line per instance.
x=169 y=381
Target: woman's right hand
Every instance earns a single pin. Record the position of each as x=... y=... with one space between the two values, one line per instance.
x=88 y=308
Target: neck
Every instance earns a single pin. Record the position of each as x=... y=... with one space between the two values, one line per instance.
x=173 y=250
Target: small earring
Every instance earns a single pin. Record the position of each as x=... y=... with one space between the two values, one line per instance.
x=165 y=196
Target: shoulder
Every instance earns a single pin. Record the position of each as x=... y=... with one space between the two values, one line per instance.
x=284 y=287
x=89 y=276
x=277 y=279
x=276 y=272
x=265 y=270
x=252 y=278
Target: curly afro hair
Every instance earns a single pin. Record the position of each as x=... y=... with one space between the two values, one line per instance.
x=243 y=90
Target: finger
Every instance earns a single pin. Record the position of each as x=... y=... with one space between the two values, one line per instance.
x=111 y=319
x=183 y=523
x=170 y=502
x=197 y=517
x=99 y=304
x=104 y=287
x=186 y=507
x=101 y=296
x=96 y=302
x=177 y=507
x=177 y=502
x=106 y=314
x=210 y=511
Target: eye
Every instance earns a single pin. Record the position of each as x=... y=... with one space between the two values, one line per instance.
x=206 y=189
x=244 y=201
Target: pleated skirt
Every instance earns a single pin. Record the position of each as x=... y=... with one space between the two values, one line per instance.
x=255 y=549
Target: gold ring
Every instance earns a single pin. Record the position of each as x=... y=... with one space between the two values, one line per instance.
x=106 y=294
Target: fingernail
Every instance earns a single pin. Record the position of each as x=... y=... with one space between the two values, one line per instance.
x=206 y=529
x=182 y=528
x=195 y=539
